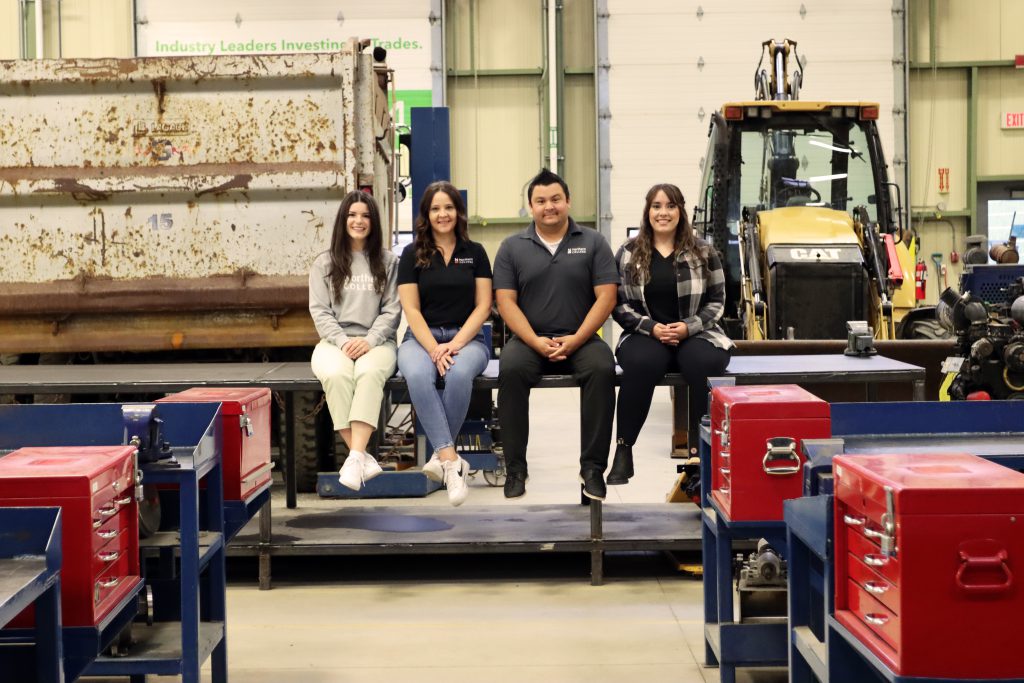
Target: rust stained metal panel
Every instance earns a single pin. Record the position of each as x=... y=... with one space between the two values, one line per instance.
x=157 y=332
x=124 y=114
x=185 y=168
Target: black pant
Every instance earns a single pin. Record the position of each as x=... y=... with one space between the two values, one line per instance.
x=593 y=367
x=645 y=360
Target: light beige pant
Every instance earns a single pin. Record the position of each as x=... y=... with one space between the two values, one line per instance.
x=354 y=388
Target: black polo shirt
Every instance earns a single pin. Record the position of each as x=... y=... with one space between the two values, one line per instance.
x=555 y=291
x=447 y=292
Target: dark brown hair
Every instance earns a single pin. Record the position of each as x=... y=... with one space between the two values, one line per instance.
x=643 y=243
x=341 y=245
x=425 y=244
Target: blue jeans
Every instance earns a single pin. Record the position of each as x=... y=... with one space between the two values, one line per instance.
x=441 y=411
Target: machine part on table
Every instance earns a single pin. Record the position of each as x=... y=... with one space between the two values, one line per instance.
x=764 y=567
x=143 y=429
x=821 y=240
x=762 y=583
x=860 y=339
x=989 y=342
x=1005 y=252
x=977 y=250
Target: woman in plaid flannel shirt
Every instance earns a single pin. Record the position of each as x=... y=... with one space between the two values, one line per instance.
x=671 y=296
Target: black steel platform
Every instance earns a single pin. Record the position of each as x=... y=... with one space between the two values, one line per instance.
x=419 y=530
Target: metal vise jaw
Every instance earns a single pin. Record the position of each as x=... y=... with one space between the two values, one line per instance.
x=143 y=429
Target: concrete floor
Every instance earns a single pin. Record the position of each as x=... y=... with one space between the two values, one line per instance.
x=482 y=617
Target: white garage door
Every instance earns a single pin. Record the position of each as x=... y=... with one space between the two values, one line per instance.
x=674 y=62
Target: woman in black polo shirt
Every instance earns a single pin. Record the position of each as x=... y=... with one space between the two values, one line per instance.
x=444 y=283
x=671 y=296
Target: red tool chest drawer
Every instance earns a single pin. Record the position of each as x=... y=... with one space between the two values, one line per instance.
x=95 y=488
x=756 y=458
x=246 y=426
x=928 y=551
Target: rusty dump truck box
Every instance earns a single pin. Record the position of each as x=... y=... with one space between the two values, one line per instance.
x=162 y=203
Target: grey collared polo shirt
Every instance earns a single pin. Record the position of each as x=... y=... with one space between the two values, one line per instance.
x=555 y=291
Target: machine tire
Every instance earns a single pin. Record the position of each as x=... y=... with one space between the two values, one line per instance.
x=305 y=430
x=926 y=329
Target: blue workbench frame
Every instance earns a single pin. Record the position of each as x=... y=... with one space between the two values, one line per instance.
x=31 y=537
x=821 y=649
x=728 y=644
x=194 y=432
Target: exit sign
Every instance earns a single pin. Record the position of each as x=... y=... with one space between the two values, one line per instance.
x=1013 y=119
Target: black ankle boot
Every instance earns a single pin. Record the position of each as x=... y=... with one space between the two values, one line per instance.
x=622 y=465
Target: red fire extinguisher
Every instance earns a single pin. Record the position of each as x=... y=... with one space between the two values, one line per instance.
x=920 y=278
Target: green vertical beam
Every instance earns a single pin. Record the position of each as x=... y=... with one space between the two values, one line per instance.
x=932 y=50
x=972 y=148
x=560 y=85
x=545 y=90
x=472 y=35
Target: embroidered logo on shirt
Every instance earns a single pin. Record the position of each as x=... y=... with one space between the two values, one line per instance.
x=360 y=283
x=576 y=250
x=463 y=260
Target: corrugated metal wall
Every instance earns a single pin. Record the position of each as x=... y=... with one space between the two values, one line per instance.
x=498 y=93
x=674 y=62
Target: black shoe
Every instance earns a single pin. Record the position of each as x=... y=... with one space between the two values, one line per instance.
x=622 y=465
x=593 y=485
x=515 y=485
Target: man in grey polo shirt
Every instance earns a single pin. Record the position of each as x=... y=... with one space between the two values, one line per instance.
x=555 y=284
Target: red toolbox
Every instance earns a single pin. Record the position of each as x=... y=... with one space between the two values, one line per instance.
x=756 y=458
x=95 y=488
x=246 y=427
x=929 y=549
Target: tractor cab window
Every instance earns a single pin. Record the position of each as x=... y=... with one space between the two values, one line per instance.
x=822 y=162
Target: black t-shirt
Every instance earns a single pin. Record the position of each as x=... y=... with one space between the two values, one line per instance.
x=660 y=290
x=447 y=292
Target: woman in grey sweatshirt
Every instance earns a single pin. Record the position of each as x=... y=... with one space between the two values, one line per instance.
x=353 y=298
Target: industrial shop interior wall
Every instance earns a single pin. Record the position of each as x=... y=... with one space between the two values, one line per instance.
x=510 y=67
x=670 y=65
x=962 y=158
x=675 y=63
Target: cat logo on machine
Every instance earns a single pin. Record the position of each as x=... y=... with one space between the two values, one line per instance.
x=815 y=254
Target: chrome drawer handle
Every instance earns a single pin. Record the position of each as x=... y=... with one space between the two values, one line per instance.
x=724 y=489
x=853 y=521
x=876 y=619
x=876 y=588
x=109 y=557
x=876 y=560
x=123 y=501
x=105 y=534
x=107 y=512
x=109 y=583
x=725 y=470
x=97 y=523
x=871 y=533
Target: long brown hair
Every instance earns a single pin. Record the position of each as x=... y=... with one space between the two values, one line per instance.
x=425 y=244
x=341 y=245
x=643 y=243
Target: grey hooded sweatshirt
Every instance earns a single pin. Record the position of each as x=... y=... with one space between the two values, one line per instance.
x=362 y=312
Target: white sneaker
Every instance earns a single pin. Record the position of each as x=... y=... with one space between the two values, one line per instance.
x=371 y=468
x=434 y=469
x=351 y=472
x=456 y=475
